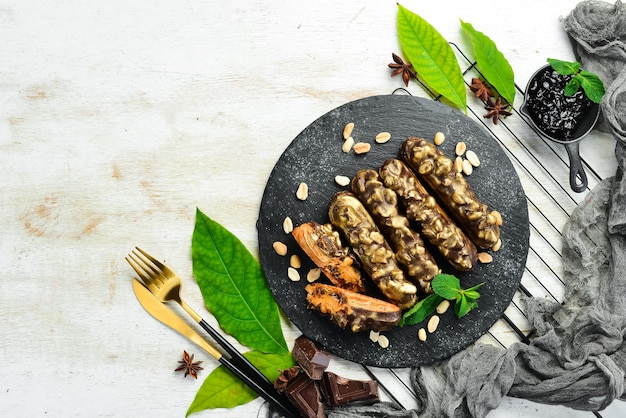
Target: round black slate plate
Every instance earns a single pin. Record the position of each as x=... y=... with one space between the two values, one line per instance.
x=315 y=157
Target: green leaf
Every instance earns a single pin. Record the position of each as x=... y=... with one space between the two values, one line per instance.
x=572 y=86
x=432 y=57
x=221 y=389
x=446 y=285
x=592 y=86
x=470 y=294
x=492 y=63
x=564 y=67
x=234 y=288
x=461 y=307
x=421 y=310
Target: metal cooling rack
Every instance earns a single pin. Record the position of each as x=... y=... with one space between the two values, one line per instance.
x=543 y=168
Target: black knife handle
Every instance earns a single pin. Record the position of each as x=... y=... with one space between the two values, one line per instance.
x=272 y=397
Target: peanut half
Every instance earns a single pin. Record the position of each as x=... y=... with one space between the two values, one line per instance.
x=280 y=248
x=347 y=130
x=303 y=191
x=439 y=138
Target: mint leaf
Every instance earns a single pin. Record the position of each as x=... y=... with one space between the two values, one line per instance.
x=234 y=288
x=572 y=87
x=470 y=294
x=592 y=86
x=446 y=285
x=564 y=67
x=432 y=57
x=221 y=389
x=492 y=63
x=421 y=310
x=461 y=307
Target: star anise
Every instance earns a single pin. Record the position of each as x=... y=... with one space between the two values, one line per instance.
x=496 y=109
x=400 y=67
x=480 y=89
x=189 y=366
x=285 y=376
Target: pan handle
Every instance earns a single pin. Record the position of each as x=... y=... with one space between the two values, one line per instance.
x=577 y=176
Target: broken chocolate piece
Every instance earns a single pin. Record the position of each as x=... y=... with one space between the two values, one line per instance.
x=305 y=395
x=310 y=358
x=338 y=390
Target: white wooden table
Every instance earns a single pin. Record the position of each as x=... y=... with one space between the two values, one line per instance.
x=118 y=119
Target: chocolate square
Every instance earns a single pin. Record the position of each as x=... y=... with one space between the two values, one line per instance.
x=312 y=359
x=338 y=390
x=305 y=395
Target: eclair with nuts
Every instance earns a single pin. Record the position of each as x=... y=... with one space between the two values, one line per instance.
x=452 y=190
x=382 y=203
x=422 y=208
x=323 y=245
x=352 y=310
x=347 y=214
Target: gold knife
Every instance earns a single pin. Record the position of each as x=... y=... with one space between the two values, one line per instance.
x=165 y=315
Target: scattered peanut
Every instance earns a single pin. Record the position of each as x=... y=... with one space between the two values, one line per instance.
x=294 y=261
x=293 y=274
x=383 y=341
x=347 y=145
x=280 y=248
x=313 y=275
x=374 y=335
x=421 y=334
x=362 y=148
x=460 y=148
x=467 y=168
x=288 y=225
x=485 y=258
x=433 y=323
x=347 y=130
x=443 y=306
x=496 y=247
x=458 y=164
x=472 y=158
x=303 y=191
x=342 y=180
x=439 y=138
x=383 y=137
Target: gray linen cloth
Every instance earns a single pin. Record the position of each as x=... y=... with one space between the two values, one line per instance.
x=576 y=355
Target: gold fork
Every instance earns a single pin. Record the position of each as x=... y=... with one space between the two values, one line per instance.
x=165 y=285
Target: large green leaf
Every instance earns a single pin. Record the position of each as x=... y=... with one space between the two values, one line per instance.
x=234 y=288
x=432 y=57
x=221 y=389
x=492 y=63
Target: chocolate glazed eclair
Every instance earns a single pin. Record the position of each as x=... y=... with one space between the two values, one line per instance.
x=423 y=209
x=452 y=190
x=382 y=203
x=347 y=214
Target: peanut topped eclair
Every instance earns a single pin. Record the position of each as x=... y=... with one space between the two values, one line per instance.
x=352 y=310
x=382 y=203
x=347 y=213
x=452 y=190
x=423 y=209
x=323 y=245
